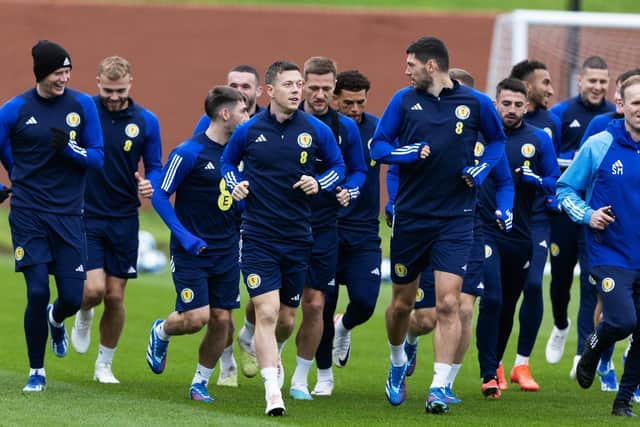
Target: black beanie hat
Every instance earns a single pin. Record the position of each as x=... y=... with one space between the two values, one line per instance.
x=48 y=57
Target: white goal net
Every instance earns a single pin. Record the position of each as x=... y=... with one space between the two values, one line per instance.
x=563 y=40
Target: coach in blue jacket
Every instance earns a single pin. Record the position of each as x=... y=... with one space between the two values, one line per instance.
x=607 y=170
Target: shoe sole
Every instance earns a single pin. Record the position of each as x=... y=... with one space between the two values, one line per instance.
x=491 y=392
x=585 y=379
x=77 y=348
x=394 y=403
x=437 y=409
x=34 y=391
x=276 y=412
x=299 y=395
x=105 y=382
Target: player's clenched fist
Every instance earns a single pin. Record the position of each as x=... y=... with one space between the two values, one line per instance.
x=343 y=196
x=425 y=150
x=240 y=191
x=308 y=185
x=144 y=186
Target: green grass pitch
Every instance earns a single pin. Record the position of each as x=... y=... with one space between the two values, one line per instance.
x=143 y=398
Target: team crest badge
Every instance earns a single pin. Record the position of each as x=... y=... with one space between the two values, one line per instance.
x=554 y=249
x=304 y=140
x=608 y=284
x=478 y=149
x=253 y=281
x=419 y=295
x=132 y=130
x=400 y=269
x=186 y=295
x=528 y=150
x=462 y=112
x=487 y=251
x=73 y=120
x=19 y=253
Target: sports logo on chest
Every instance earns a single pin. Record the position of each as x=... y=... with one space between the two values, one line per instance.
x=617 y=168
x=462 y=112
x=528 y=150
x=73 y=119
x=131 y=131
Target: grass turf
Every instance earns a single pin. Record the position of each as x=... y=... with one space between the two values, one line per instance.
x=143 y=398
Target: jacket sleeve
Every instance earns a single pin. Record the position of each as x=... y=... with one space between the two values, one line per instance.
x=152 y=154
x=354 y=160
x=178 y=167
x=384 y=147
x=392 y=188
x=501 y=175
x=579 y=177
x=494 y=137
x=231 y=157
x=331 y=156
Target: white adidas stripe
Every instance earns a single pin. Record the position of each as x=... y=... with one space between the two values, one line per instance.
x=77 y=149
x=329 y=179
x=171 y=172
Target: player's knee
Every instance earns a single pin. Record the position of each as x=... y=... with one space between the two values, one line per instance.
x=312 y=307
x=402 y=303
x=93 y=296
x=365 y=307
x=71 y=301
x=219 y=318
x=267 y=316
x=626 y=325
x=532 y=289
x=448 y=305
x=195 y=320
x=113 y=300
x=38 y=296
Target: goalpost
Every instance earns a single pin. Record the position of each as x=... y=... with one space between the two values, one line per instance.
x=562 y=40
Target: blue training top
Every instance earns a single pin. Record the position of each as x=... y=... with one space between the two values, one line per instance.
x=449 y=124
x=359 y=221
x=324 y=205
x=607 y=171
x=598 y=124
x=275 y=156
x=203 y=212
x=550 y=123
x=128 y=135
x=575 y=115
x=43 y=178
x=529 y=147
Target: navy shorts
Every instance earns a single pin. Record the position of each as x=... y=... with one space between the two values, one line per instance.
x=112 y=244
x=359 y=268
x=52 y=239
x=472 y=283
x=270 y=264
x=618 y=290
x=321 y=274
x=443 y=243
x=211 y=278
